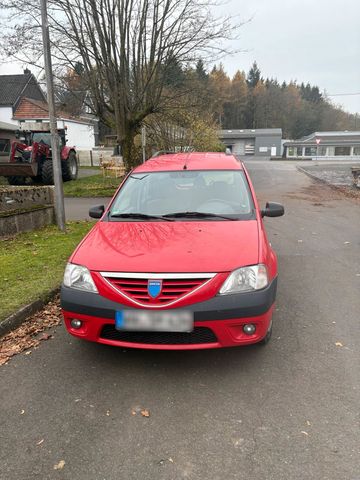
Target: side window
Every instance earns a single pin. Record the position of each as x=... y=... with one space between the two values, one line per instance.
x=4 y=146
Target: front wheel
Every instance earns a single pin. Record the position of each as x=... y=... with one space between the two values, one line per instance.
x=70 y=167
x=47 y=174
x=16 y=180
x=267 y=337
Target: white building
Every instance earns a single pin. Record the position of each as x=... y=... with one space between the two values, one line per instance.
x=325 y=146
x=22 y=100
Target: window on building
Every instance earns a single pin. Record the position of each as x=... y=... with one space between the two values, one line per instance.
x=321 y=151
x=310 y=151
x=356 y=150
x=291 y=151
x=4 y=146
x=299 y=151
x=342 y=151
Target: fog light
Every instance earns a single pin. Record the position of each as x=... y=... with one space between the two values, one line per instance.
x=76 y=323
x=249 y=328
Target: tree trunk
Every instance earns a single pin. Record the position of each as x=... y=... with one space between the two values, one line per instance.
x=129 y=151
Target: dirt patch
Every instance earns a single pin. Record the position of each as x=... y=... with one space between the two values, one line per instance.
x=318 y=193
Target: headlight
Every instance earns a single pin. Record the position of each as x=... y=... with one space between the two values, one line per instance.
x=79 y=277
x=245 y=279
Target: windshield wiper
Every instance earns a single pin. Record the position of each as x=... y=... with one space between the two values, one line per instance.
x=197 y=215
x=142 y=216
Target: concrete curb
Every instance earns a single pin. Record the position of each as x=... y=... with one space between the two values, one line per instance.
x=314 y=177
x=19 y=317
x=321 y=180
x=344 y=189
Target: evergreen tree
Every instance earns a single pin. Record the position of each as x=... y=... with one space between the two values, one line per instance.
x=173 y=73
x=254 y=76
x=200 y=70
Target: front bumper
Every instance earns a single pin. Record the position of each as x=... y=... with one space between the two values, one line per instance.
x=218 y=322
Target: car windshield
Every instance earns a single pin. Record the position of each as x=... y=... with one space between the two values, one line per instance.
x=186 y=193
x=44 y=137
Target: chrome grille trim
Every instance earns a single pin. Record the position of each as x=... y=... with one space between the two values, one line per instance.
x=157 y=276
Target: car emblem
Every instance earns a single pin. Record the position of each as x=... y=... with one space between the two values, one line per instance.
x=154 y=288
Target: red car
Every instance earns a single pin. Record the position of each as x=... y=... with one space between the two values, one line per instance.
x=179 y=260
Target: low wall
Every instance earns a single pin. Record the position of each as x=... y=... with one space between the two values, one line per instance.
x=21 y=197
x=92 y=157
x=23 y=209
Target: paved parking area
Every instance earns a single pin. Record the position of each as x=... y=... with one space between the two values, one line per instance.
x=288 y=411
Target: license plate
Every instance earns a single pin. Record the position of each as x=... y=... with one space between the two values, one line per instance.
x=149 y=321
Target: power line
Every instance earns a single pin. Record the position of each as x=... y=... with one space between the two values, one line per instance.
x=341 y=94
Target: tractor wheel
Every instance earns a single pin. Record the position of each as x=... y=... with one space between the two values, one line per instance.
x=47 y=174
x=16 y=180
x=70 y=167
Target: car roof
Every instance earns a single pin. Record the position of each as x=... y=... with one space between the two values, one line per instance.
x=193 y=161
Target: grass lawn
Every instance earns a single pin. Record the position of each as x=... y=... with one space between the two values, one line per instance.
x=32 y=263
x=94 y=186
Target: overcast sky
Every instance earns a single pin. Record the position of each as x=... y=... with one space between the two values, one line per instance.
x=316 y=41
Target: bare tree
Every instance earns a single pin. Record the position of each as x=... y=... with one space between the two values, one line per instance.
x=126 y=48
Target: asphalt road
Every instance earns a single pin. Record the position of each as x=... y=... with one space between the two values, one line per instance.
x=78 y=208
x=286 y=411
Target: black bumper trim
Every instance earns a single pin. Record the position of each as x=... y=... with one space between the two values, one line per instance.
x=221 y=307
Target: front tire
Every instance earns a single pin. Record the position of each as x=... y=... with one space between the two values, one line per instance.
x=267 y=337
x=16 y=180
x=70 y=167
x=47 y=173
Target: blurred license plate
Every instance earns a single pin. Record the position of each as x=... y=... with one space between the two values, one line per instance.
x=145 y=320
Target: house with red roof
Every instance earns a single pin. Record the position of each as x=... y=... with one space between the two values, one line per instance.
x=22 y=100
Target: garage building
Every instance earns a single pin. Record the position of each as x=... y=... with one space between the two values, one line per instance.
x=258 y=142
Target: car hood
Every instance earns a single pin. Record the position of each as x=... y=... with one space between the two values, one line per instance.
x=212 y=246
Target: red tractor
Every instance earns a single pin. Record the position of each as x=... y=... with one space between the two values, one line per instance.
x=30 y=157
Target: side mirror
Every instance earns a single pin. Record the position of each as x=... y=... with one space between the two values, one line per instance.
x=273 y=209
x=97 y=211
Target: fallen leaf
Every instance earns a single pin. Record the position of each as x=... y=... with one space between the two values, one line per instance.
x=304 y=433
x=133 y=412
x=22 y=412
x=78 y=400
x=60 y=465
x=108 y=413
x=40 y=442
x=308 y=423
x=339 y=344
x=171 y=460
x=45 y=336
x=346 y=243
x=145 y=413
x=26 y=336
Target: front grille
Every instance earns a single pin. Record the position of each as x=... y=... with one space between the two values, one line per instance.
x=198 y=335
x=172 y=289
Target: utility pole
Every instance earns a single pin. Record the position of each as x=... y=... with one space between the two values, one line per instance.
x=57 y=174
